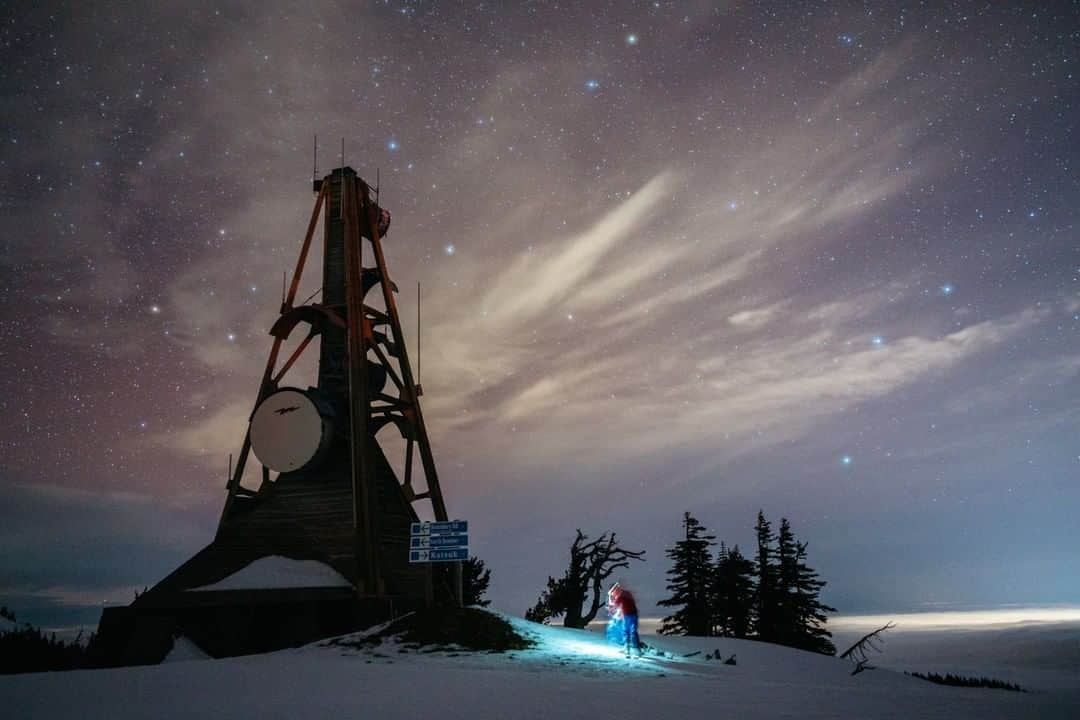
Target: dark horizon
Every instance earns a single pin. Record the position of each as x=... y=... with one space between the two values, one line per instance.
x=816 y=260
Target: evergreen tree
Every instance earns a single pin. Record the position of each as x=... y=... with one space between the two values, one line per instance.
x=591 y=564
x=717 y=602
x=689 y=582
x=765 y=600
x=788 y=624
x=475 y=579
x=809 y=610
x=733 y=593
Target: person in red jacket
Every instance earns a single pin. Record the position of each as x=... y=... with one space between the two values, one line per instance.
x=621 y=604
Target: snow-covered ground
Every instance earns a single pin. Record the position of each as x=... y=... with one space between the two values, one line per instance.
x=276 y=571
x=569 y=674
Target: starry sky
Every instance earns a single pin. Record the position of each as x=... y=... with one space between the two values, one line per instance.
x=816 y=258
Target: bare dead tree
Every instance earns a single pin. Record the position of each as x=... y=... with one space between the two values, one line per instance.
x=859 y=652
x=591 y=564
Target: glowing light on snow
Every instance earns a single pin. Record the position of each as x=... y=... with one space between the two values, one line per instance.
x=580 y=647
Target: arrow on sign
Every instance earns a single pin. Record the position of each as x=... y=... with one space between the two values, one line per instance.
x=438 y=541
x=444 y=555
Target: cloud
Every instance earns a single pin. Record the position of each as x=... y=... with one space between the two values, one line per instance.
x=755 y=318
x=49 y=550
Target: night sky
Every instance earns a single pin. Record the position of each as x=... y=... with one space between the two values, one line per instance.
x=816 y=258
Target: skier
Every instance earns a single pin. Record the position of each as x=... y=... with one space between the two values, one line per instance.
x=621 y=604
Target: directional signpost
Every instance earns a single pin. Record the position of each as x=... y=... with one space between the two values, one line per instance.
x=446 y=541
x=439 y=541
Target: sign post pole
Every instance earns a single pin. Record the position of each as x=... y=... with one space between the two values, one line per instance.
x=444 y=541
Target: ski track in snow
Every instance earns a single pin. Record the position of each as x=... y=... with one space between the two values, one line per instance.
x=569 y=674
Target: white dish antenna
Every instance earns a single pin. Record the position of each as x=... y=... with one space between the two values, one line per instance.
x=289 y=431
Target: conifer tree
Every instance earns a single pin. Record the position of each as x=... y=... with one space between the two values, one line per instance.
x=765 y=600
x=733 y=593
x=788 y=623
x=809 y=610
x=717 y=601
x=475 y=578
x=689 y=582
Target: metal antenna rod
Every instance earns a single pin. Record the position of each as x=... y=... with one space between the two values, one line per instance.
x=417 y=332
x=315 y=161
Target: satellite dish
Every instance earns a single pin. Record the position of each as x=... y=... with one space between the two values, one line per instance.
x=291 y=429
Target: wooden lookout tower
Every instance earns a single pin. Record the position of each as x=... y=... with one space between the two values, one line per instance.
x=321 y=545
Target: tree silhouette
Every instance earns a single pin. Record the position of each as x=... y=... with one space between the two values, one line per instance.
x=732 y=593
x=767 y=590
x=591 y=563
x=475 y=579
x=690 y=581
x=810 y=612
x=787 y=620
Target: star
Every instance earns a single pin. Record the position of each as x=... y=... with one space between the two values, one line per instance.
x=947 y=289
x=591 y=84
x=632 y=39
x=231 y=337
x=450 y=249
x=846 y=461
x=155 y=309
x=392 y=145
x=877 y=341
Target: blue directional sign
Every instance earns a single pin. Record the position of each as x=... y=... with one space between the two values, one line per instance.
x=438 y=541
x=445 y=541
x=448 y=527
x=442 y=555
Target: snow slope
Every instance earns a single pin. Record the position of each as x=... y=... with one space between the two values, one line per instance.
x=184 y=650
x=569 y=674
x=279 y=572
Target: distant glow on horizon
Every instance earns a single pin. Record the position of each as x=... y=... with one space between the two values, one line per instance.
x=914 y=621
x=957 y=619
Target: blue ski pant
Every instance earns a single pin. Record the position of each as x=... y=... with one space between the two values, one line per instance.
x=630 y=627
